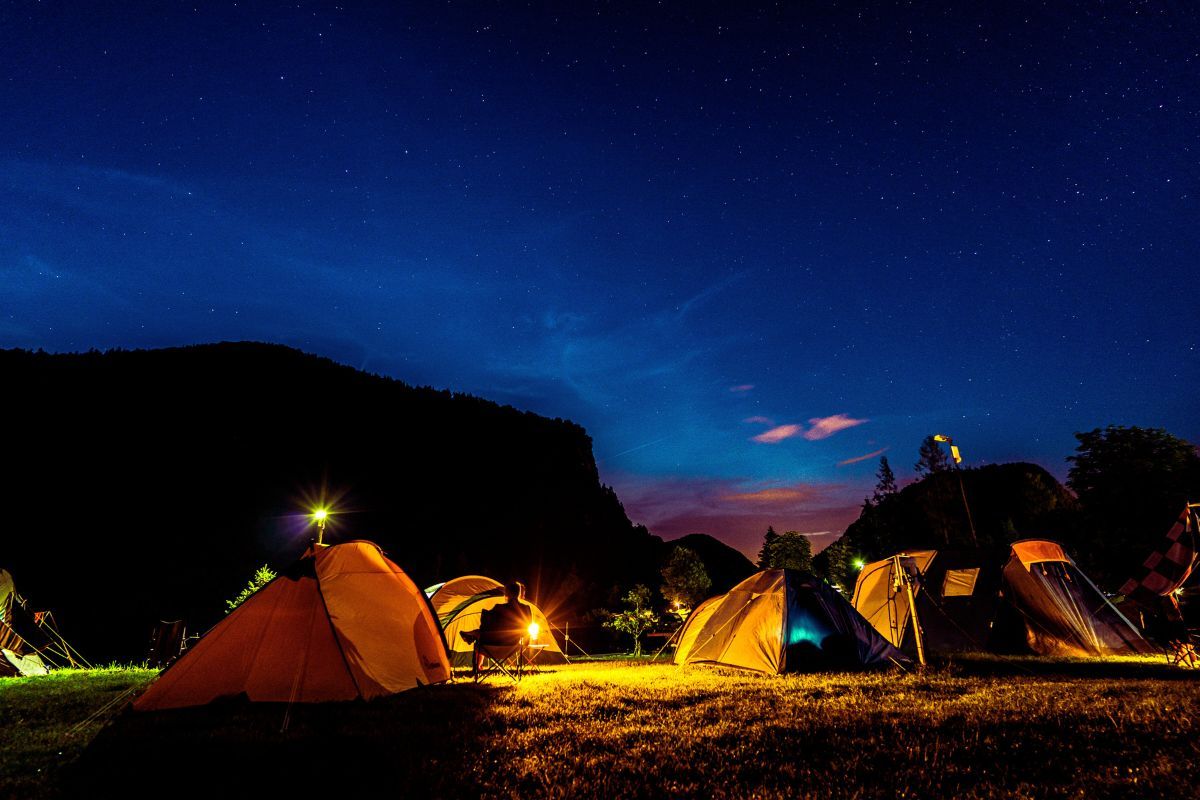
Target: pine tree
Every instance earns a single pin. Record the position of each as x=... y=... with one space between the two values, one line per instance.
x=887 y=481
x=933 y=457
x=766 y=554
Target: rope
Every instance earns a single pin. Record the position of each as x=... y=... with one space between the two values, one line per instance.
x=121 y=698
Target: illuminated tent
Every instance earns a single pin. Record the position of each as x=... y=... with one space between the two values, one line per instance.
x=343 y=623
x=459 y=604
x=781 y=620
x=1027 y=598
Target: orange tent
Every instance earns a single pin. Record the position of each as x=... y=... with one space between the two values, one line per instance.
x=343 y=623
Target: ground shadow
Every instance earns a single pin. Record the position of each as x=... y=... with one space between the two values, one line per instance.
x=424 y=742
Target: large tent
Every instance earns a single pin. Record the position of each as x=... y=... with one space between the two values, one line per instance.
x=343 y=623
x=1027 y=598
x=459 y=605
x=782 y=621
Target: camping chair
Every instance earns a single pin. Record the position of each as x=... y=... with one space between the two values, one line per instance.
x=498 y=657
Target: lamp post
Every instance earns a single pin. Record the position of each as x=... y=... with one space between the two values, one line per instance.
x=954 y=454
x=319 y=516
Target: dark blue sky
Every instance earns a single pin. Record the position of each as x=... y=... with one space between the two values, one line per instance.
x=682 y=226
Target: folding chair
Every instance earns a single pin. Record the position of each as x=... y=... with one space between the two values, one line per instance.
x=499 y=658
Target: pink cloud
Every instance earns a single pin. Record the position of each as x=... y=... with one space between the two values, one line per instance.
x=759 y=420
x=824 y=427
x=857 y=459
x=779 y=433
x=775 y=495
x=741 y=388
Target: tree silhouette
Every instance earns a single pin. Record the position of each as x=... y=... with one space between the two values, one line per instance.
x=886 y=487
x=932 y=457
x=686 y=581
x=768 y=546
x=1132 y=482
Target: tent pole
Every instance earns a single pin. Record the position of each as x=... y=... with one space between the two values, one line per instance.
x=912 y=608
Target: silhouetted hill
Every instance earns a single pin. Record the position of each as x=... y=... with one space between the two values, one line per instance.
x=145 y=485
x=1008 y=502
x=726 y=567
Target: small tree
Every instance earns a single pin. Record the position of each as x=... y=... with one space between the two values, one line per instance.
x=768 y=546
x=932 y=457
x=262 y=576
x=886 y=487
x=686 y=581
x=636 y=619
x=793 y=551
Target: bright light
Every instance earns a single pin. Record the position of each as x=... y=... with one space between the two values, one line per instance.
x=941 y=437
x=320 y=515
x=534 y=630
x=859 y=563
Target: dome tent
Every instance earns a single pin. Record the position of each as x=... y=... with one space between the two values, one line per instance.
x=459 y=605
x=781 y=620
x=343 y=623
x=1029 y=597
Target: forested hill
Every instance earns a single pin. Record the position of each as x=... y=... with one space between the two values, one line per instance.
x=1007 y=501
x=145 y=485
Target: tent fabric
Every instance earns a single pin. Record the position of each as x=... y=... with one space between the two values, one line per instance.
x=344 y=623
x=1168 y=566
x=13 y=663
x=782 y=621
x=459 y=605
x=877 y=580
x=1029 y=598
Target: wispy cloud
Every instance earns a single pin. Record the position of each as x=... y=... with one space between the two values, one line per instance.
x=776 y=495
x=758 y=420
x=863 y=457
x=779 y=433
x=741 y=388
x=824 y=427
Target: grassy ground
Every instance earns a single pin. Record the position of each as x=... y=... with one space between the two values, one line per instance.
x=973 y=728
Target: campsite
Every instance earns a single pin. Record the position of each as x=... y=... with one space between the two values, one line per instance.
x=471 y=399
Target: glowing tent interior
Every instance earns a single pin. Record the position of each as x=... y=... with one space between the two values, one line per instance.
x=459 y=605
x=782 y=621
x=343 y=623
x=1028 y=598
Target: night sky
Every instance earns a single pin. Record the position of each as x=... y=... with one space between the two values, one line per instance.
x=749 y=250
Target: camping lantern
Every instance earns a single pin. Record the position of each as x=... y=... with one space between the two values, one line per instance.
x=534 y=629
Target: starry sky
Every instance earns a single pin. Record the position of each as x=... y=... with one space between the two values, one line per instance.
x=750 y=249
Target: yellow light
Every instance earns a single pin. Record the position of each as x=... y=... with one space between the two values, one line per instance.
x=941 y=437
x=534 y=630
x=320 y=514
x=859 y=563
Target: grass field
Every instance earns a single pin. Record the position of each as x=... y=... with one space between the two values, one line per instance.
x=975 y=728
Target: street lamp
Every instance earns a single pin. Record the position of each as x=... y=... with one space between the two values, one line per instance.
x=954 y=454
x=319 y=516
